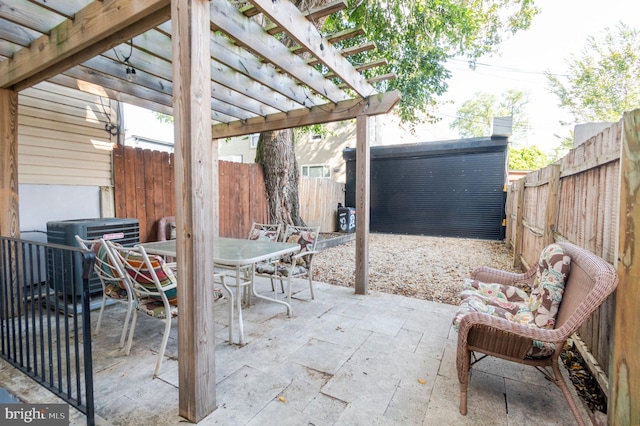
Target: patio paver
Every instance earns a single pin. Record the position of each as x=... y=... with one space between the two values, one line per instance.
x=343 y=359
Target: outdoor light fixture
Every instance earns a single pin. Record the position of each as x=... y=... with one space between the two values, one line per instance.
x=130 y=71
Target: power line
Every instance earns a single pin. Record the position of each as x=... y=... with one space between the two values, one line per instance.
x=509 y=69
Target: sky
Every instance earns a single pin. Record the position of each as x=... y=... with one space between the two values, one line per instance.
x=561 y=29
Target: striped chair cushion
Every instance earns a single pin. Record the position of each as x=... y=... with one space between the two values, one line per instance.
x=139 y=272
x=115 y=289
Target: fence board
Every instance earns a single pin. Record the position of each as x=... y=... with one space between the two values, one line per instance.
x=144 y=189
x=319 y=200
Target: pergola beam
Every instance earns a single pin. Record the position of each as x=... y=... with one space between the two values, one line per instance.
x=96 y=28
x=377 y=104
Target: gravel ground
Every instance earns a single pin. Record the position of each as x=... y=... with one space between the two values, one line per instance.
x=430 y=268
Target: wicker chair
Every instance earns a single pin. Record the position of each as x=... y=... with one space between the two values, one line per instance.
x=588 y=284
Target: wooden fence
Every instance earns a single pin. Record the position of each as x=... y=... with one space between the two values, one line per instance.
x=319 y=200
x=576 y=200
x=144 y=189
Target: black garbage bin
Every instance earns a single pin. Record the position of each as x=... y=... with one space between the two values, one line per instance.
x=346 y=219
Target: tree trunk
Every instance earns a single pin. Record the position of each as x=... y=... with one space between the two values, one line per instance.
x=277 y=156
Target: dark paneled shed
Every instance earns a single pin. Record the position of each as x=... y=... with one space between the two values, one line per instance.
x=450 y=188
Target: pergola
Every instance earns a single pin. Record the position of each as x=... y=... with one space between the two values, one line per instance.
x=220 y=73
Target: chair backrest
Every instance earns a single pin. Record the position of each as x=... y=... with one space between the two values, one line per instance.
x=106 y=266
x=552 y=271
x=149 y=275
x=306 y=236
x=264 y=231
x=589 y=284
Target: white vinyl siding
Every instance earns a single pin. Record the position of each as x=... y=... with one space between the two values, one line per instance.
x=62 y=138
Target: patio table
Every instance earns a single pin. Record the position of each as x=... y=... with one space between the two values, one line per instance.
x=236 y=254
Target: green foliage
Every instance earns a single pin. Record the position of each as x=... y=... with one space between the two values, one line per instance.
x=163 y=118
x=475 y=116
x=603 y=82
x=527 y=158
x=416 y=37
x=315 y=129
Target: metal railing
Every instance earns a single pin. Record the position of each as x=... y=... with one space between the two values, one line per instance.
x=44 y=292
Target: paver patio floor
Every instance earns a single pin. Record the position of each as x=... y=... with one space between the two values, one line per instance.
x=343 y=359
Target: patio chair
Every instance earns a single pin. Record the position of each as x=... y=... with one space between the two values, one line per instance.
x=267 y=232
x=258 y=232
x=115 y=285
x=296 y=265
x=498 y=319
x=155 y=288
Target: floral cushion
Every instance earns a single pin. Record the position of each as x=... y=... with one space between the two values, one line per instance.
x=114 y=291
x=307 y=242
x=493 y=299
x=548 y=287
x=155 y=308
x=263 y=234
x=283 y=269
x=536 y=310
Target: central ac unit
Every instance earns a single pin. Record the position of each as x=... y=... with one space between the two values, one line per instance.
x=123 y=231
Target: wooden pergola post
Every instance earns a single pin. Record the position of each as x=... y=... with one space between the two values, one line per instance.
x=624 y=400
x=9 y=207
x=194 y=183
x=9 y=211
x=363 y=171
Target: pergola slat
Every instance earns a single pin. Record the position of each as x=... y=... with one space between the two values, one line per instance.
x=227 y=19
x=305 y=34
x=90 y=87
x=96 y=28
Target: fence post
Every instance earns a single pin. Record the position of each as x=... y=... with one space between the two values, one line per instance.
x=509 y=223
x=552 y=205
x=519 y=228
x=624 y=408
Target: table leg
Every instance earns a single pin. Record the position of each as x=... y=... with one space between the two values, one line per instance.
x=282 y=302
x=231 y=302
x=239 y=294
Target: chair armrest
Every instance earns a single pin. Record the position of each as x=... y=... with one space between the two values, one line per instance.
x=491 y=323
x=306 y=253
x=492 y=275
